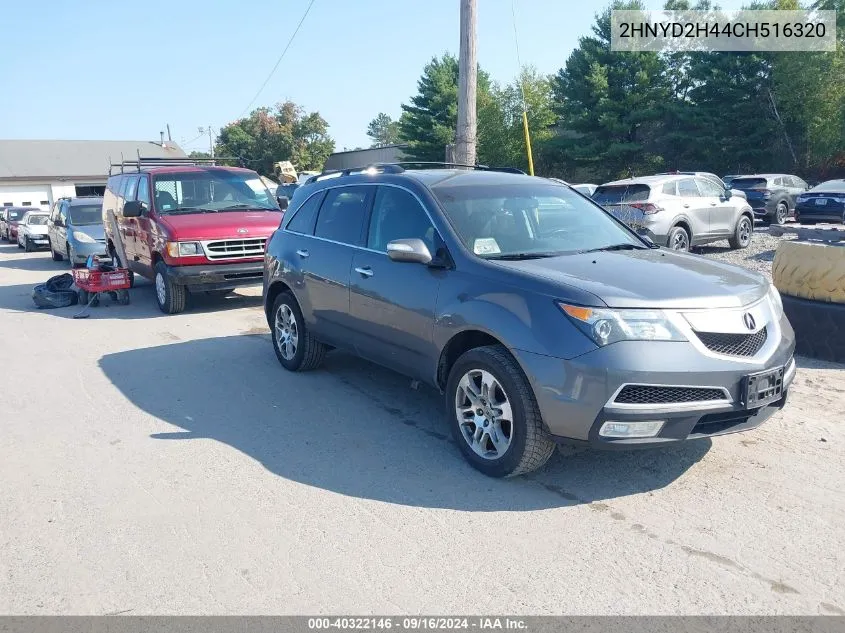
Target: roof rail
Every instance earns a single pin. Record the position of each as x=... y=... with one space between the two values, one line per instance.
x=398 y=168
x=155 y=161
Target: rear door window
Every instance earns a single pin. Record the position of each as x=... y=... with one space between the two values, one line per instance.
x=342 y=215
x=620 y=194
x=749 y=183
x=671 y=188
x=305 y=216
x=687 y=188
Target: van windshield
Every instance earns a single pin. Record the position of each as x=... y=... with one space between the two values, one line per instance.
x=211 y=191
x=82 y=215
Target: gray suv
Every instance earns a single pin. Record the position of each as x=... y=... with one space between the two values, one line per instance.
x=541 y=317
x=679 y=211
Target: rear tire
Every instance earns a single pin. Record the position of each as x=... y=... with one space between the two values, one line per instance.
x=781 y=213
x=295 y=346
x=505 y=448
x=170 y=296
x=742 y=233
x=678 y=239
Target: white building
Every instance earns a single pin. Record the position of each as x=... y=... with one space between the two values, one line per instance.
x=36 y=173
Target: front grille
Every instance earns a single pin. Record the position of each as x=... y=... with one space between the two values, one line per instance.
x=733 y=344
x=235 y=249
x=656 y=394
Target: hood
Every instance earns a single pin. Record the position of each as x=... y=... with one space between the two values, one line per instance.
x=94 y=231
x=227 y=224
x=654 y=278
x=35 y=229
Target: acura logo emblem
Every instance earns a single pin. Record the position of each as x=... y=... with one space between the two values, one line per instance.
x=242 y=231
x=749 y=321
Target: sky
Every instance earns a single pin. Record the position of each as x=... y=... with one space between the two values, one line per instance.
x=98 y=69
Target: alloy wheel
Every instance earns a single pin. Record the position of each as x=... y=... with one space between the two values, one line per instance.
x=484 y=414
x=744 y=231
x=680 y=241
x=287 y=331
x=780 y=213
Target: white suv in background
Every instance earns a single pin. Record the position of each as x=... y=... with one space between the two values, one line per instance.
x=679 y=211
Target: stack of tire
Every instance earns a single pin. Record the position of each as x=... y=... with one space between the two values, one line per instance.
x=810 y=277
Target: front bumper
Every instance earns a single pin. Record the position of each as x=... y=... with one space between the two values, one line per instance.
x=218 y=276
x=42 y=241
x=83 y=250
x=576 y=397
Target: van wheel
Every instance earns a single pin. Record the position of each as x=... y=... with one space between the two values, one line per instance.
x=170 y=296
x=679 y=239
x=56 y=257
x=296 y=348
x=742 y=233
x=494 y=415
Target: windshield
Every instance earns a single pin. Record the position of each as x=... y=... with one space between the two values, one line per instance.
x=618 y=194
x=524 y=220
x=749 y=183
x=211 y=191
x=15 y=215
x=37 y=220
x=87 y=214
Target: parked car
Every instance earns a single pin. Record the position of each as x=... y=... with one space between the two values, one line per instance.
x=730 y=178
x=822 y=203
x=190 y=226
x=76 y=229
x=586 y=189
x=9 y=222
x=679 y=211
x=541 y=317
x=32 y=230
x=772 y=196
x=706 y=174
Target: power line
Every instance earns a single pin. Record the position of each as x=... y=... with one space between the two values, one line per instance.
x=278 y=61
x=518 y=61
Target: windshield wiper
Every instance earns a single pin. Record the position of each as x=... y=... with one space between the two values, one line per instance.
x=190 y=210
x=242 y=205
x=617 y=247
x=521 y=256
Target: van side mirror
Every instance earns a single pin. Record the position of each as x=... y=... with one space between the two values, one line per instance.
x=283 y=202
x=134 y=209
x=409 y=250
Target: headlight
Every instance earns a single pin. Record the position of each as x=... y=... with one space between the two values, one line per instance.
x=79 y=236
x=774 y=298
x=184 y=249
x=605 y=326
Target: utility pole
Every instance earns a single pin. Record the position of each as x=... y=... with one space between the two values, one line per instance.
x=203 y=130
x=465 y=137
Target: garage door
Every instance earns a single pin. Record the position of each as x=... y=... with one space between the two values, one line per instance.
x=25 y=196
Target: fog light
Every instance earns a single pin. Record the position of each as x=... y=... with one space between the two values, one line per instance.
x=646 y=428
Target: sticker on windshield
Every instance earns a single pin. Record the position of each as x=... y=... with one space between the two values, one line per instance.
x=256 y=185
x=485 y=246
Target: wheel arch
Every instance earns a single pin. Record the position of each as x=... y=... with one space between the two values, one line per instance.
x=276 y=288
x=460 y=343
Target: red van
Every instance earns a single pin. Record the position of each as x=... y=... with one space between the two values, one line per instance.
x=189 y=226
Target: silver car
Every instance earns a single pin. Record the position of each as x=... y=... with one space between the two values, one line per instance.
x=679 y=211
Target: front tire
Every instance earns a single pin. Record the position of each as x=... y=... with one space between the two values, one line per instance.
x=742 y=233
x=494 y=415
x=678 y=239
x=56 y=257
x=170 y=296
x=295 y=347
x=27 y=245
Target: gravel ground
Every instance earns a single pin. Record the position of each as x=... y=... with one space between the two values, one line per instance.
x=758 y=256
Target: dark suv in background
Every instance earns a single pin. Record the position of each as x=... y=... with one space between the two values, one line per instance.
x=771 y=196
x=541 y=316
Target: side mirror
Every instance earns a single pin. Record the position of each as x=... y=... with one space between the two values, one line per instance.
x=409 y=250
x=283 y=202
x=134 y=209
x=728 y=193
x=58 y=222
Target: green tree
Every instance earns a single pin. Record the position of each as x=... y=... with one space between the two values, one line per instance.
x=610 y=107
x=284 y=132
x=428 y=123
x=383 y=130
x=196 y=154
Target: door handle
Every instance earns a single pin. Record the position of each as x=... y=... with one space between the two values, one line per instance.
x=364 y=272
x=302 y=253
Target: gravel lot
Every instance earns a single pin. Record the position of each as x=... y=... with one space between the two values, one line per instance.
x=758 y=256
x=157 y=464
